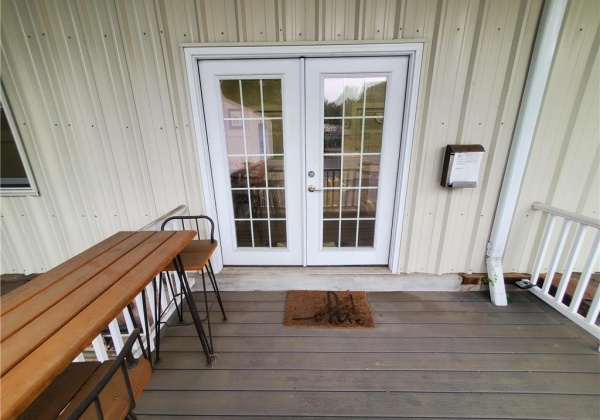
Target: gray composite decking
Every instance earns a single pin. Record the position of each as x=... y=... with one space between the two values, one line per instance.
x=432 y=354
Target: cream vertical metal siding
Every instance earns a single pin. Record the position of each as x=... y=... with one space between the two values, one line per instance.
x=564 y=165
x=99 y=92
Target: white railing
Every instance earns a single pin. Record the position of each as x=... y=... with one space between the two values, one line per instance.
x=568 y=247
x=108 y=344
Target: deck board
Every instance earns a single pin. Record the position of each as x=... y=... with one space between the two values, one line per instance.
x=450 y=355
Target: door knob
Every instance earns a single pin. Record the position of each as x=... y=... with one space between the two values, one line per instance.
x=312 y=188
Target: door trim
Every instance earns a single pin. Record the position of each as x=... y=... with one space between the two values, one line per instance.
x=413 y=50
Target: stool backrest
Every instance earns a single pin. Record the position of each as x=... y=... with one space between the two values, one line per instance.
x=190 y=223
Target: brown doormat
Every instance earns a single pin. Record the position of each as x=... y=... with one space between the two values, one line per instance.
x=305 y=308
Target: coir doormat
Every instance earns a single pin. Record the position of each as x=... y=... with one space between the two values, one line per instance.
x=305 y=308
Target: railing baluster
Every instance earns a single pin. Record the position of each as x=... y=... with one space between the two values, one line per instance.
x=100 y=349
x=115 y=334
x=151 y=304
x=556 y=256
x=128 y=321
x=79 y=358
x=164 y=292
x=594 y=309
x=568 y=270
x=585 y=275
x=141 y=314
x=537 y=268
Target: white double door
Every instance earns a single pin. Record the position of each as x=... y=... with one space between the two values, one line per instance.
x=304 y=157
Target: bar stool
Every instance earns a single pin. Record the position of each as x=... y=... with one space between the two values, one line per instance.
x=195 y=257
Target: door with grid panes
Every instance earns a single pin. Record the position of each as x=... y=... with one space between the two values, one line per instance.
x=315 y=187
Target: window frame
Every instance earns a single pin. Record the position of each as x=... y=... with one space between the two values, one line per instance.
x=32 y=190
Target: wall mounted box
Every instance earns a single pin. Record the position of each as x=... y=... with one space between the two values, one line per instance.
x=461 y=165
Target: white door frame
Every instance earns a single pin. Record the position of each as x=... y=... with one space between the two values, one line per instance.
x=414 y=51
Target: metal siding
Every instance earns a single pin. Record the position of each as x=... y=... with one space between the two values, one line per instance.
x=563 y=167
x=122 y=72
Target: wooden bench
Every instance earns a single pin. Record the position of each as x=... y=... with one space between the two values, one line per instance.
x=86 y=387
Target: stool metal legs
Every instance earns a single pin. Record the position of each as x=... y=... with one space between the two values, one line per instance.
x=193 y=310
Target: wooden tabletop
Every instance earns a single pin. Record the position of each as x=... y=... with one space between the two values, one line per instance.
x=49 y=321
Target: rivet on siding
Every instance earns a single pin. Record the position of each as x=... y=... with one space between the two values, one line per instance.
x=580 y=29
x=399 y=29
x=161 y=31
x=261 y=32
x=43 y=34
x=417 y=30
x=126 y=126
x=378 y=30
x=92 y=125
x=479 y=123
x=498 y=28
x=458 y=29
x=300 y=34
x=70 y=36
x=280 y=29
x=184 y=34
x=69 y=125
x=56 y=125
x=339 y=35
x=28 y=36
x=222 y=33
x=24 y=123
x=104 y=35
x=442 y=123
x=161 y=128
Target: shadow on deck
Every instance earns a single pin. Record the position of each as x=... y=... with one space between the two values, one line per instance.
x=432 y=354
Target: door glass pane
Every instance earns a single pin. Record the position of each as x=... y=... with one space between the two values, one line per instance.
x=253 y=127
x=353 y=118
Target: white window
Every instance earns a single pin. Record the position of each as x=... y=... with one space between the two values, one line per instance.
x=16 y=177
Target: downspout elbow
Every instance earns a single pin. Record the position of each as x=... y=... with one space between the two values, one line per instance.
x=495 y=273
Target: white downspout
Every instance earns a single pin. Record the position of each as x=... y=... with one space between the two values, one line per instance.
x=535 y=86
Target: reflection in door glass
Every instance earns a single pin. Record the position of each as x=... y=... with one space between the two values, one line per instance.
x=253 y=126
x=353 y=117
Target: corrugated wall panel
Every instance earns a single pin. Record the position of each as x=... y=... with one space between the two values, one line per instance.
x=112 y=86
x=563 y=167
x=121 y=70
x=178 y=23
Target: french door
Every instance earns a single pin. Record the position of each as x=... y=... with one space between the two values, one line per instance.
x=304 y=157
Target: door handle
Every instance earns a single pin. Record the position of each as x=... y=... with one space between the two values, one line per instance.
x=312 y=188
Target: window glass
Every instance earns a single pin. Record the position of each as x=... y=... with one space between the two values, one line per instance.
x=13 y=175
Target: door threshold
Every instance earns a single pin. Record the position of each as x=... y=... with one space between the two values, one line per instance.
x=363 y=269
x=364 y=278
